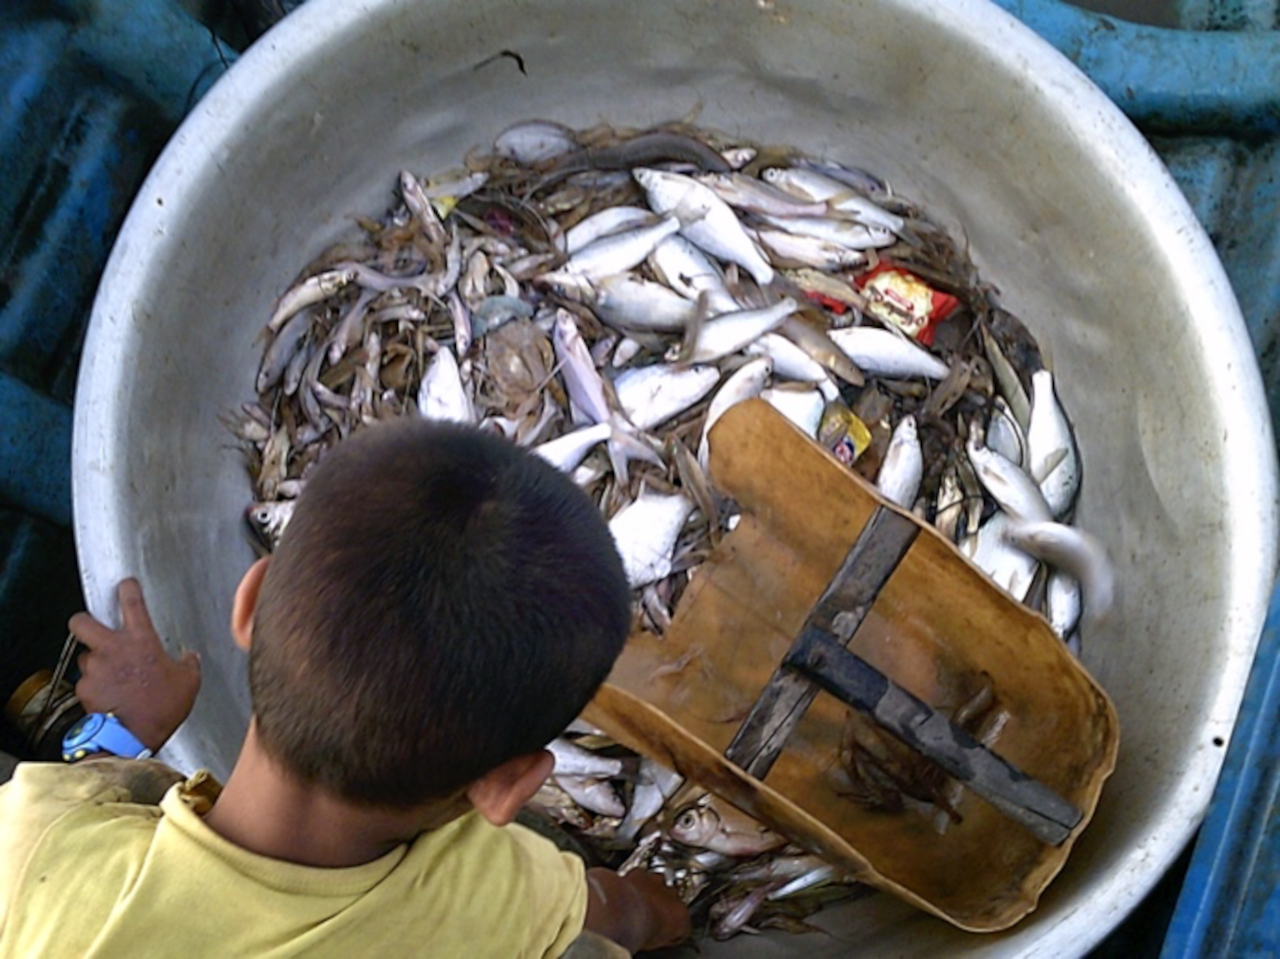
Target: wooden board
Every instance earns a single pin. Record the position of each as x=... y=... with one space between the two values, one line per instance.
x=938 y=628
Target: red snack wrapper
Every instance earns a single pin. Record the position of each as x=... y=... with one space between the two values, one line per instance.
x=830 y=303
x=900 y=297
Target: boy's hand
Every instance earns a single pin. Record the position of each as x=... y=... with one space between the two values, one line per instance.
x=636 y=911
x=128 y=672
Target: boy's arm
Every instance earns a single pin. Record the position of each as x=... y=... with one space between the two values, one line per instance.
x=636 y=911
x=127 y=671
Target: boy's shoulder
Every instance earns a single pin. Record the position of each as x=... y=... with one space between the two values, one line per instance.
x=441 y=889
x=39 y=795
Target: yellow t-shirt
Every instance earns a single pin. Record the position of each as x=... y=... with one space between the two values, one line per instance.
x=86 y=870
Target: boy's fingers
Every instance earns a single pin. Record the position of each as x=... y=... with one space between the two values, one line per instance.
x=133 y=609
x=89 y=631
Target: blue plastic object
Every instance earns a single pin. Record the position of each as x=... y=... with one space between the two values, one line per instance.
x=37 y=433
x=90 y=91
x=1230 y=902
x=1189 y=82
x=1210 y=103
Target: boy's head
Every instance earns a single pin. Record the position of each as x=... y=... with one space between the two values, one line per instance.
x=441 y=602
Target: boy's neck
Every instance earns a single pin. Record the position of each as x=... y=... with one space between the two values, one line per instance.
x=267 y=811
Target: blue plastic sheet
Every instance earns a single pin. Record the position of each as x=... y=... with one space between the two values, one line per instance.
x=1230 y=902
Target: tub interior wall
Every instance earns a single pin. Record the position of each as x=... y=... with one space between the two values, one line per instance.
x=1054 y=228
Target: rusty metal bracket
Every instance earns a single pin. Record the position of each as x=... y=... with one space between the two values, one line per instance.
x=818 y=659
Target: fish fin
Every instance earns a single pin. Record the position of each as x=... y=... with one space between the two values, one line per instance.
x=692 y=329
x=1051 y=463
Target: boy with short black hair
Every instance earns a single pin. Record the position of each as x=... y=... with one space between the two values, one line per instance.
x=441 y=606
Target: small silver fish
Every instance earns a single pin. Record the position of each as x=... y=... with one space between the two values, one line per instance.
x=294 y=372
x=1052 y=459
x=1077 y=553
x=574 y=760
x=646 y=802
x=567 y=451
x=269 y=520
x=581 y=378
x=312 y=290
x=442 y=395
x=645 y=533
x=817 y=876
x=802 y=407
x=858 y=180
x=711 y=823
x=789 y=361
x=630 y=303
x=1005 y=436
x=1014 y=490
x=903 y=466
x=730 y=332
x=887 y=354
x=346 y=332
x=619 y=252
x=284 y=347
x=747 y=381
x=777 y=867
x=815 y=281
x=1007 y=378
x=534 y=141
x=1063 y=602
x=815 y=186
x=1009 y=567
x=603 y=223
x=822 y=348
x=759 y=196
x=787 y=249
x=650 y=395
x=655 y=784
x=416 y=199
x=687 y=270
x=625 y=352
x=855 y=236
x=595 y=794
x=731 y=914
x=706 y=220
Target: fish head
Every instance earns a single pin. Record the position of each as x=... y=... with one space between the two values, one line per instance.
x=571 y=286
x=268 y=521
x=564 y=330
x=695 y=825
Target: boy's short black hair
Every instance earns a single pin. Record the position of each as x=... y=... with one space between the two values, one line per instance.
x=441 y=601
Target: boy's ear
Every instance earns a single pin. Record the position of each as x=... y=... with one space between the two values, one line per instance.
x=246 y=601
x=499 y=793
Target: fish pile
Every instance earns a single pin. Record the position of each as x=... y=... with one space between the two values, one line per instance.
x=628 y=812
x=601 y=297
